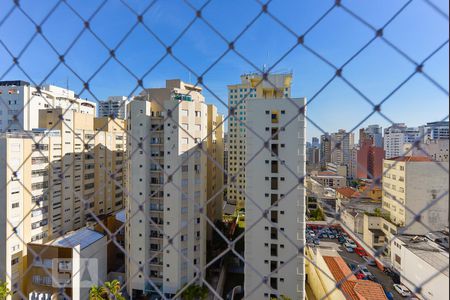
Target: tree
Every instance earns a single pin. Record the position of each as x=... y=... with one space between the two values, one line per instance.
x=111 y=290
x=97 y=293
x=4 y=290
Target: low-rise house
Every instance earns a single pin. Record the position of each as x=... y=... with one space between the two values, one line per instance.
x=67 y=267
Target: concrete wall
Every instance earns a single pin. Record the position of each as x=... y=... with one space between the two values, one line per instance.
x=415 y=272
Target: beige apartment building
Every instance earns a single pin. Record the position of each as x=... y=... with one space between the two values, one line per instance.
x=50 y=183
x=171 y=134
x=252 y=87
x=412 y=185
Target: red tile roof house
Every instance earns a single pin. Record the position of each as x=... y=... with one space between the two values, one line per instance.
x=351 y=287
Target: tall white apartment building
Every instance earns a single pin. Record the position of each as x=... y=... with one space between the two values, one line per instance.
x=252 y=87
x=267 y=250
x=395 y=138
x=168 y=175
x=20 y=103
x=48 y=180
x=114 y=106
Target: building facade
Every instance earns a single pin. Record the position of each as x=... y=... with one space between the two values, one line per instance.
x=168 y=172
x=436 y=150
x=114 y=107
x=341 y=144
x=369 y=155
x=325 y=149
x=251 y=88
x=21 y=103
x=421 y=263
x=50 y=182
x=396 y=136
x=410 y=185
x=272 y=186
x=435 y=131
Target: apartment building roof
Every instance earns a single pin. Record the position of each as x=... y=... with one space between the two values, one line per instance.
x=352 y=288
x=327 y=174
x=411 y=158
x=83 y=237
x=348 y=192
x=428 y=251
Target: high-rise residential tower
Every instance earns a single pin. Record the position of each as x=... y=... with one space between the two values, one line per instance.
x=395 y=138
x=375 y=132
x=342 y=143
x=55 y=178
x=252 y=87
x=274 y=189
x=370 y=153
x=172 y=138
x=325 y=149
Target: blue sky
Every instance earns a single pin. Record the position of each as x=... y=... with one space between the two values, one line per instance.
x=417 y=31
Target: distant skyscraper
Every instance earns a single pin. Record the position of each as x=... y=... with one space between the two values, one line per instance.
x=252 y=87
x=325 y=149
x=269 y=180
x=341 y=144
x=375 y=132
x=315 y=143
x=370 y=153
x=114 y=106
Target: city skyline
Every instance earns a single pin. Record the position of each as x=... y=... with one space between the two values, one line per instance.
x=208 y=149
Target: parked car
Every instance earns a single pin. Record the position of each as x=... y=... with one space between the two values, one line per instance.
x=349 y=249
x=331 y=235
x=365 y=271
x=350 y=244
x=323 y=235
x=389 y=295
x=341 y=240
x=358 y=274
x=360 y=251
x=402 y=290
x=370 y=261
x=316 y=241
